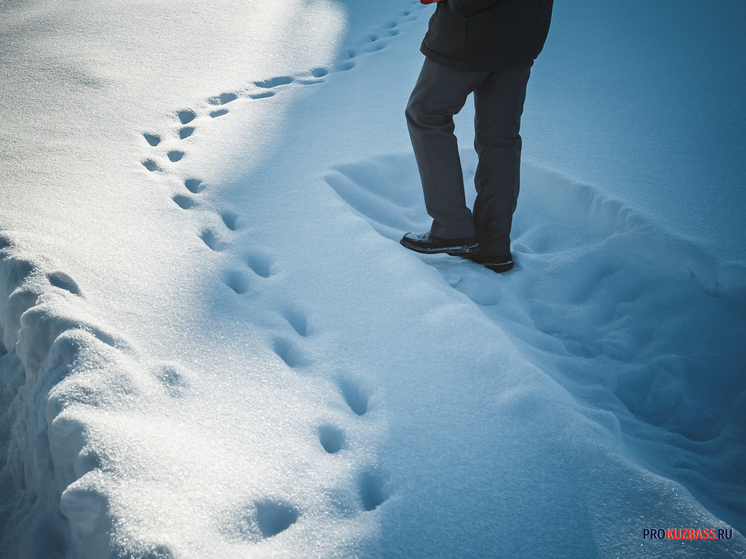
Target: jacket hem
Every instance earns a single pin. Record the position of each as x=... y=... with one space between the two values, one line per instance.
x=519 y=62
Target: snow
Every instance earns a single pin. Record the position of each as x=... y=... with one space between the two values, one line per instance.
x=214 y=346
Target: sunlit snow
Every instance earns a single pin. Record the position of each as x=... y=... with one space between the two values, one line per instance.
x=214 y=346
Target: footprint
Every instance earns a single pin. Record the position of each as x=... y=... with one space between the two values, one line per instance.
x=354 y=395
x=184 y=202
x=331 y=438
x=222 y=99
x=274 y=82
x=152 y=139
x=298 y=321
x=237 y=281
x=377 y=47
x=185 y=117
x=376 y=43
x=262 y=95
x=273 y=517
x=219 y=112
x=186 y=132
x=210 y=238
x=175 y=155
x=286 y=351
x=264 y=519
x=194 y=185
x=384 y=191
x=348 y=64
x=63 y=281
x=392 y=32
x=151 y=165
x=229 y=218
x=172 y=380
x=372 y=491
x=319 y=72
x=260 y=264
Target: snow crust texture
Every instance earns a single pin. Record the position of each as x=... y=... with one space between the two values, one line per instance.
x=94 y=442
x=212 y=344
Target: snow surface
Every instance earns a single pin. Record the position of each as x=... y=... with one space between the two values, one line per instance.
x=213 y=345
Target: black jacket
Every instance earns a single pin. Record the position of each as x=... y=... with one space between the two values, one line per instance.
x=479 y=35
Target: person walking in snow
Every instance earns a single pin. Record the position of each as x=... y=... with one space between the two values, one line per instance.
x=486 y=47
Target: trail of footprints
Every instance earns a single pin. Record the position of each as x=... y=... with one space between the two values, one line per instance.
x=377 y=40
x=265 y=519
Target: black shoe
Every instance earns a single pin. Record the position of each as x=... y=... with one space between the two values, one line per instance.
x=495 y=262
x=430 y=244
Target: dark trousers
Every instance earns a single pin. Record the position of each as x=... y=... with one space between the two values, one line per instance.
x=439 y=94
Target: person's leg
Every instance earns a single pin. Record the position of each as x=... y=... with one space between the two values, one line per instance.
x=499 y=105
x=439 y=94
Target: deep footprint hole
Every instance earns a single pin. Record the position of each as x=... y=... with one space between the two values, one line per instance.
x=274 y=82
x=298 y=321
x=194 y=185
x=185 y=117
x=229 y=219
x=175 y=155
x=260 y=265
x=286 y=351
x=151 y=165
x=219 y=112
x=354 y=396
x=273 y=518
x=319 y=72
x=262 y=95
x=186 y=132
x=237 y=281
x=184 y=202
x=331 y=438
x=372 y=491
x=210 y=238
x=152 y=139
x=222 y=99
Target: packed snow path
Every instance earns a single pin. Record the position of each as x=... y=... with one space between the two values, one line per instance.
x=238 y=359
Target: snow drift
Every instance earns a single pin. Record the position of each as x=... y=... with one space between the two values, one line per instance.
x=213 y=345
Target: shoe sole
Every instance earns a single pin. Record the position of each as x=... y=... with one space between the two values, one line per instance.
x=494 y=266
x=451 y=251
x=499 y=268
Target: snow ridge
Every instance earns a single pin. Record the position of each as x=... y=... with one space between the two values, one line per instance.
x=63 y=371
x=52 y=348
